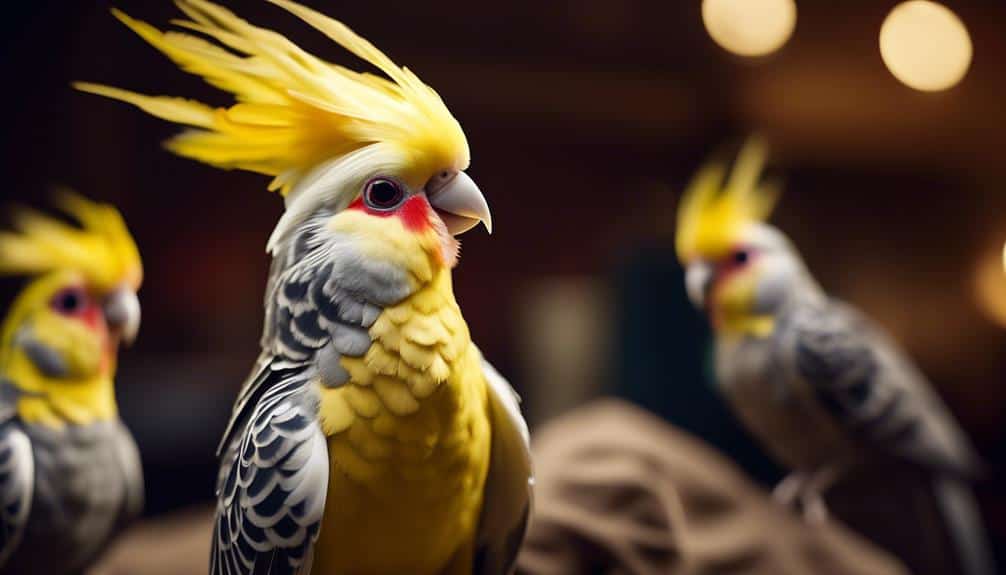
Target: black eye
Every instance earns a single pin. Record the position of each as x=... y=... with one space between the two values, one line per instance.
x=69 y=301
x=741 y=257
x=381 y=194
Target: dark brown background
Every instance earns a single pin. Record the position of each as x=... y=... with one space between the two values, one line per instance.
x=585 y=118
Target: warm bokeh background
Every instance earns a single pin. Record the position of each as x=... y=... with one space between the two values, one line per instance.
x=585 y=120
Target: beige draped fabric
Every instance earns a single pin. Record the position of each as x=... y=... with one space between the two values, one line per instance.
x=622 y=492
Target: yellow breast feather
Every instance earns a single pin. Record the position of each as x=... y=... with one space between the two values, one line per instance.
x=409 y=440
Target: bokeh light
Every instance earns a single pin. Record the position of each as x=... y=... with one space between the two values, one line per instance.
x=990 y=285
x=749 y=27
x=925 y=45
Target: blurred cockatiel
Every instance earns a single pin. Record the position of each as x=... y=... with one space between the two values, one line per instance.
x=818 y=383
x=70 y=473
x=371 y=436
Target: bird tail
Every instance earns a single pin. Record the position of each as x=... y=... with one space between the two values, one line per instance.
x=963 y=521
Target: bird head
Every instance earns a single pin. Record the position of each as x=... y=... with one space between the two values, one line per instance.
x=391 y=220
x=66 y=324
x=739 y=269
x=380 y=155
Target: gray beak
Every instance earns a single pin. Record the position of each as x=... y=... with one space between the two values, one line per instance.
x=122 y=313
x=698 y=281
x=458 y=202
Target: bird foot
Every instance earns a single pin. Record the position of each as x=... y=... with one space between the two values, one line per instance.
x=787 y=492
x=815 y=512
x=800 y=492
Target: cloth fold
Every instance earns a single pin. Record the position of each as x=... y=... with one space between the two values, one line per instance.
x=619 y=491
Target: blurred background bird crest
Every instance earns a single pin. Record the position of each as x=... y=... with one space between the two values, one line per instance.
x=712 y=213
x=61 y=336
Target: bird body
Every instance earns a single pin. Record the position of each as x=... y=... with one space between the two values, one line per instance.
x=409 y=455
x=88 y=487
x=777 y=385
x=70 y=475
x=371 y=437
x=372 y=424
x=822 y=387
x=781 y=409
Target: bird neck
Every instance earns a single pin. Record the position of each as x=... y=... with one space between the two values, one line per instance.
x=56 y=402
x=420 y=346
x=748 y=321
x=744 y=324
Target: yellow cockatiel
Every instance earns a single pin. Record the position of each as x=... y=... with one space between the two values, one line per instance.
x=70 y=475
x=371 y=436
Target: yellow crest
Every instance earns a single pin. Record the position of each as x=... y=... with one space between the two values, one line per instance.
x=710 y=214
x=294 y=111
x=101 y=249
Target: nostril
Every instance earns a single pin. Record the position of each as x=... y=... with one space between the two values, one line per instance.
x=438 y=181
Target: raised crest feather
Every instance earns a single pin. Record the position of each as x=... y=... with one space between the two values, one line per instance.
x=101 y=248
x=293 y=111
x=711 y=213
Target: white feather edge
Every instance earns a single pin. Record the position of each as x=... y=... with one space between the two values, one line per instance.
x=21 y=486
x=510 y=483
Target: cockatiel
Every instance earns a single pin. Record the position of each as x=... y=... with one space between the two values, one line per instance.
x=818 y=383
x=371 y=436
x=70 y=474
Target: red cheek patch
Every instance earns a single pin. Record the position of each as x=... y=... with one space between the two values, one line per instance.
x=91 y=316
x=358 y=205
x=414 y=213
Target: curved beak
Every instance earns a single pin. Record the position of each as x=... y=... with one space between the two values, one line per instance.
x=122 y=313
x=459 y=203
x=698 y=281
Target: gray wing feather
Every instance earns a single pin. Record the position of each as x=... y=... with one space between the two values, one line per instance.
x=870 y=387
x=17 y=479
x=271 y=494
x=508 y=491
x=963 y=520
x=321 y=298
x=316 y=312
x=130 y=463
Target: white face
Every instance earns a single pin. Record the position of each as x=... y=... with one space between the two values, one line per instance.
x=332 y=186
x=756 y=277
x=779 y=269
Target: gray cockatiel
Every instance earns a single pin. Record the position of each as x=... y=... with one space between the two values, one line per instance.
x=70 y=474
x=822 y=387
